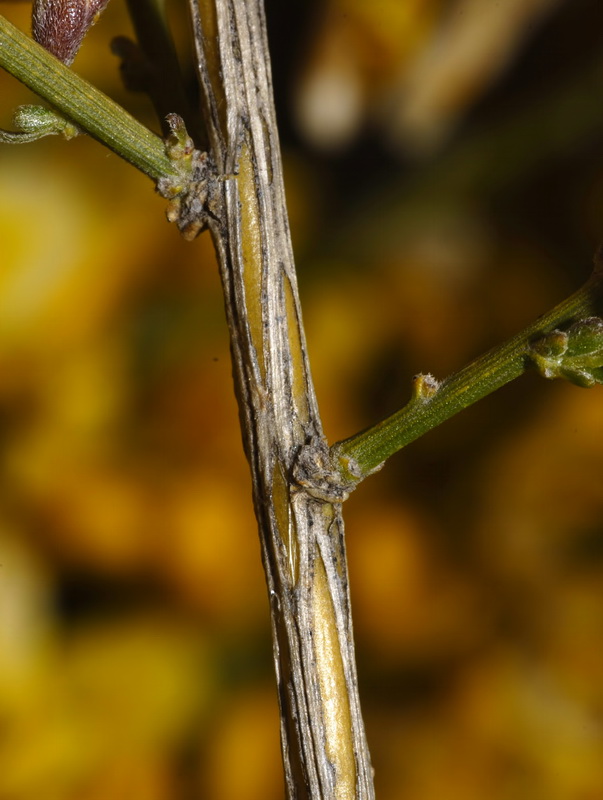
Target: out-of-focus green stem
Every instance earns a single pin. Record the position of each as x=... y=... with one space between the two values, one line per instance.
x=165 y=83
x=81 y=102
x=433 y=403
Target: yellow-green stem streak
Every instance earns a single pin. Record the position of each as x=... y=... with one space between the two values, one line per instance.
x=331 y=677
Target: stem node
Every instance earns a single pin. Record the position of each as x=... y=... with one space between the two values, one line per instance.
x=192 y=188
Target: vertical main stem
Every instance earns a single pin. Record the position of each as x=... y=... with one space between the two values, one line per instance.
x=324 y=746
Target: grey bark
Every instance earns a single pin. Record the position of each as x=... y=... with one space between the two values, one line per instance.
x=297 y=500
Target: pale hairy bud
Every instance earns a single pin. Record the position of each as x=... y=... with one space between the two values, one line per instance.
x=60 y=25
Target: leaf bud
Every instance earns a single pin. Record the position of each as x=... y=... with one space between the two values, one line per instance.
x=424 y=387
x=34 y=122
x=60 y=25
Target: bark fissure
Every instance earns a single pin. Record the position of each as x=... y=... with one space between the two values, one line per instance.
x=324 y=747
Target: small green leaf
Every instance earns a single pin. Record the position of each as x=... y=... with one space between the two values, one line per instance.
x=34 y=122
x=575 y=354
x=585 y=337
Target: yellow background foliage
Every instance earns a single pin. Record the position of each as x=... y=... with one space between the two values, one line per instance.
x=448 y=192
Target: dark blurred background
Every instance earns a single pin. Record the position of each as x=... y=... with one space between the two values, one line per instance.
x=444 y=170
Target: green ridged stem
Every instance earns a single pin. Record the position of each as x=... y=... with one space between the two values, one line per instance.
x=432 y=402
x=90 y=109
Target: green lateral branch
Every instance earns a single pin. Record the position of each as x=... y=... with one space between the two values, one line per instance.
x=575 y=352
x=90 y=109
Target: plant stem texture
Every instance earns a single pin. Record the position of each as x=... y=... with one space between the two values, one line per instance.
x=324 y=747
x=92 y=110
x=433 y=402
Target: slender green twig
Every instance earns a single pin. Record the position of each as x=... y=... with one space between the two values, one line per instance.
x=82 y=103
x=432 y=402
